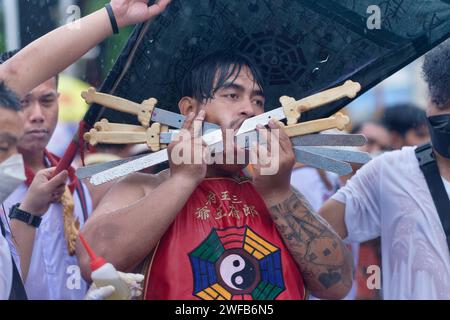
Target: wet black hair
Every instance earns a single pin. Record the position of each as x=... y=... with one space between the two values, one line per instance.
x=436 y=73
x=210 y=73
x=5 y=56
x=9 y=99
x=403 y=117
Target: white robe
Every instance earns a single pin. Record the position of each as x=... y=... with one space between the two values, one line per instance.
x=389 y=197
x=53 y=274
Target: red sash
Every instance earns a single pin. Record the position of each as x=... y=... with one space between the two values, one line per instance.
x=223 y=245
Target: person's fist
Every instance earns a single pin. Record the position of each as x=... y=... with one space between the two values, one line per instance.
x=129 y=12
x=43 y=191
x=273 y=162
x=187 y=153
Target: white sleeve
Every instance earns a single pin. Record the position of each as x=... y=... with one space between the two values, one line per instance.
x=9 y=239
x=361 y=198
x=5 y=269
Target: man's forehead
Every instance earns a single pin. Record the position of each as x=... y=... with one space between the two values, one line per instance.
x=242 y=72
x=46 y=87
x=433 y=110
x=243 y=77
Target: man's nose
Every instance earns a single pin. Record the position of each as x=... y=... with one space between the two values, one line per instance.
x=247 y=108
x=35 y=114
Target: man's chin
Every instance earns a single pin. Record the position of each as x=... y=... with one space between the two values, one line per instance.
x=32 y=147
x=230 y=168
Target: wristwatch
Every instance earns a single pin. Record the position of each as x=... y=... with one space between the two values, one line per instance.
x=28 y=218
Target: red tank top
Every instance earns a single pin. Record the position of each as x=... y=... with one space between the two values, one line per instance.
x=223 y=245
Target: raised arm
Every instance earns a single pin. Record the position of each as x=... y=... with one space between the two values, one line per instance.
x=325 y=262
x=55 y=51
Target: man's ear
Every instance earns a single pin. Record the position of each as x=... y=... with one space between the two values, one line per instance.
x=187 y=105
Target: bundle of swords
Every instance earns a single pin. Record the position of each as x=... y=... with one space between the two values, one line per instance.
x=311 y=147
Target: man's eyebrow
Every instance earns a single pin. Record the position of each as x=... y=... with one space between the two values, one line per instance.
x=258 y=92
x=49 y=95
x=27 y=96
x=230 y=85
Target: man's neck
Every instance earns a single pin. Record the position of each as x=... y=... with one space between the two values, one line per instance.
x=216 y=172
x=34 y=160
x=444 y=166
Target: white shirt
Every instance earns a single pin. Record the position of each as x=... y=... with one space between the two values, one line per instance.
x=389 y=197
x=53 y=274
x=307 y=180
x=5 y=269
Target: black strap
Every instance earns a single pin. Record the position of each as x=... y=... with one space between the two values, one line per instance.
x=112 y=18
x=17 y=289
x=430 y=170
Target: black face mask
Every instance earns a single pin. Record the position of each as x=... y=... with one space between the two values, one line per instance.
x=439 y=127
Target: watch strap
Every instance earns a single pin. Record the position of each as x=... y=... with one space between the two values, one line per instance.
x=26 y=217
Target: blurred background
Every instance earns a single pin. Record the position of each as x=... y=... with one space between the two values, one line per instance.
x=23 y=21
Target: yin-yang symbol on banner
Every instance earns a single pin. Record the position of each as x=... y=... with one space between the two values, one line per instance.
x=238 y=271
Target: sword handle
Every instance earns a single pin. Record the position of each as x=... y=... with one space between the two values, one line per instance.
x=293 y=108
x=338 y=121
x=95 y=137
x=105 y=125
x=142 y=111
x=151 y=136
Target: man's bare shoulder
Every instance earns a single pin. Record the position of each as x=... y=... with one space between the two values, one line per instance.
x=130 y=189
x=144 y=180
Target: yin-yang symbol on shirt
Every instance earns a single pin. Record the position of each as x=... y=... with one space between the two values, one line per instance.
x=238 y=271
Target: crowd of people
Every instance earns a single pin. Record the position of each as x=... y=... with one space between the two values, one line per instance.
x=206 y=231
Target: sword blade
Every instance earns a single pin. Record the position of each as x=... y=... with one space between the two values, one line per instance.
x=321 y=162
x=214 y=140
x=147 y=161
x=124 y=169
x=167 y=137
x=263 y=119
x=326 y=139
x=89 y=171
x=176 y=120
x=245 y=140
x=340 y=154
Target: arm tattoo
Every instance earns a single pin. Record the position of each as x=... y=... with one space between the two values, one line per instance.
x=323 y=258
